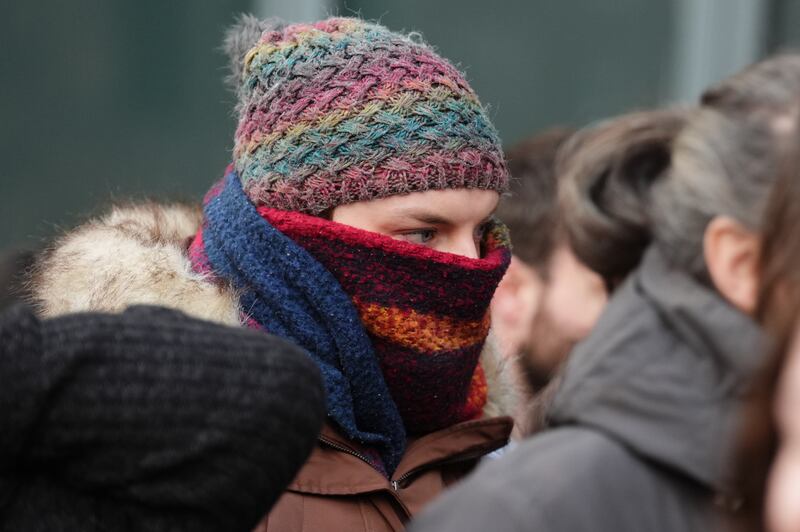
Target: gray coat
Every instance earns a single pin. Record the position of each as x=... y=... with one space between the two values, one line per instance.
x=642 y=424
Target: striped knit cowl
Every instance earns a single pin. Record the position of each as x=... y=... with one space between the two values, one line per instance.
x=396 y=328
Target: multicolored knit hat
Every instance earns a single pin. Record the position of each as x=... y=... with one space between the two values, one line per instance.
x=343 y=110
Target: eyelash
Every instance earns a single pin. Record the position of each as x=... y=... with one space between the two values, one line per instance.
x=429 y=232
x=480 y=232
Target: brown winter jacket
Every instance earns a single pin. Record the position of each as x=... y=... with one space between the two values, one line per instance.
x=137 y=255
x=337 y=490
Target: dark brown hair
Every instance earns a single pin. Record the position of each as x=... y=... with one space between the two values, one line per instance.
x=778 y=310
x=531 y=210
x=662 y=176
x=609 y=171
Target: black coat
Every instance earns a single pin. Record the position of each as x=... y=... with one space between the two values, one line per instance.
x=148 y=420
x=641 y=426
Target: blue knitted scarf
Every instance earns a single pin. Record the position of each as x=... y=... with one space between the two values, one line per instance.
x=290 y=294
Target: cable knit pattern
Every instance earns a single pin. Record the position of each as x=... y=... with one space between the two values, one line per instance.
x=148 y=420
x=344 y=110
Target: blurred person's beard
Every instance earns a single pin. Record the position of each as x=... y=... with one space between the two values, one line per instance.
x=544 y=351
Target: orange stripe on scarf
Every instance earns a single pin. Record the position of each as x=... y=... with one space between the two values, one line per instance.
x=419 y=331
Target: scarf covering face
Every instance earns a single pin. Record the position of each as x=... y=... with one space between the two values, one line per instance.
x=396 y=328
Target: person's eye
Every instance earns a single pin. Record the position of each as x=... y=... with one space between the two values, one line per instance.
x=419 y=236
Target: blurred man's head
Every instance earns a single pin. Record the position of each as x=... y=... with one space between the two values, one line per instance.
x=548 y=301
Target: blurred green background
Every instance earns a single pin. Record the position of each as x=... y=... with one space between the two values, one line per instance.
x=113 y=99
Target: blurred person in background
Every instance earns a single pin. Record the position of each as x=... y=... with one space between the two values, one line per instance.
x=355 y=221
x=667 y=206
x=148 y=420
x=768 y=468
x=548 y=300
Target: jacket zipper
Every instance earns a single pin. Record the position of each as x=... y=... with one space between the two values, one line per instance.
x=344 y=449
x=396 y=484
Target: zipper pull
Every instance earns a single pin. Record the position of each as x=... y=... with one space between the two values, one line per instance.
x=395 y=485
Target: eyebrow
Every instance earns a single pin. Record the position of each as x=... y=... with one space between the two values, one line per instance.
x=429 y=217
x=422 y=215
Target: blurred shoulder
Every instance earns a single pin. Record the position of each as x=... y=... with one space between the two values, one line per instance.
x=567 y=461
x=562 y=479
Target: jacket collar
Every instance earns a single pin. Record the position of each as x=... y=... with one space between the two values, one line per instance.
x=338 y=467
x=664 y=372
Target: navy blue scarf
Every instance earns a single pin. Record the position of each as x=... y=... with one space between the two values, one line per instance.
x=290 y=294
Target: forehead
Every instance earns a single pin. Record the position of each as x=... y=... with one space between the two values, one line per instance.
x=456 y=204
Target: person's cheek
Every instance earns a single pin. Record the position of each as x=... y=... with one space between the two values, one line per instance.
x=576 y=299
x=594 y=297
x=515 y=302
x=783 y=490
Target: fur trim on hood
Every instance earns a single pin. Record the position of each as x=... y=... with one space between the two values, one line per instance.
x=137 y=255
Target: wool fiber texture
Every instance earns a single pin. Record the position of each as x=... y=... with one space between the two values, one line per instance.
x=344 y=110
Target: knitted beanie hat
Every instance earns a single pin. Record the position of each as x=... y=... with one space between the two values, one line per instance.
x=344 y=110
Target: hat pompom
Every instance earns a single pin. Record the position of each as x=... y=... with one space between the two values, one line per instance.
x=240 y=38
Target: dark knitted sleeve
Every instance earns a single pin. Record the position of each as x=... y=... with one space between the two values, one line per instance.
x=159 y=421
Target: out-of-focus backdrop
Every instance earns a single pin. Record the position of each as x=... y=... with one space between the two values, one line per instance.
x=112 y=99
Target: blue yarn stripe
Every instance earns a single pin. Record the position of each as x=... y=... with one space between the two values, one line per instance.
x=293 y=296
